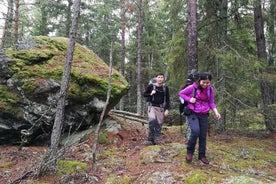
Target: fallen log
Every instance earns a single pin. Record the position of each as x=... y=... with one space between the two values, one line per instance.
x=130 y=116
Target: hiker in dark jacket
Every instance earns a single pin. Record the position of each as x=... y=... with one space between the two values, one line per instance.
x=158 y=99
x=200 y=105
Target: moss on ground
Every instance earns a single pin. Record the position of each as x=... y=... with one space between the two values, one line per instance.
x=115 y=179
x=196 y=176
x=7 y=165
x=69 y=166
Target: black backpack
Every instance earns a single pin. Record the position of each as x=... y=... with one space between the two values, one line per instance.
x=190 y=80
x=153 y=81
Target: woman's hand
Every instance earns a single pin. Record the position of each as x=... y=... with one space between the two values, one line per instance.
x=166 y=113
x=218 y=116
x=193 y=100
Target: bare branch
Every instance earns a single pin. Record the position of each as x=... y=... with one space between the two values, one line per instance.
x=94 y=147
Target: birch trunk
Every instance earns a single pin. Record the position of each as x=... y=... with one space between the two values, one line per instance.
x=59 y=118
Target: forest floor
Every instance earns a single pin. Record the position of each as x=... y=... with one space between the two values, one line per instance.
x=128 y=158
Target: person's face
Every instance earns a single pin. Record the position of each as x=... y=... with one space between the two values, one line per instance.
x=204 y=83
x=160 y=79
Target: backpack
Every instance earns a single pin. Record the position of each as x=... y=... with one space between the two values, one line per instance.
x=182 y=103
x=153 y=81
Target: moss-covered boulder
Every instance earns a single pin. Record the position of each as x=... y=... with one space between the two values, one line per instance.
x=30 y=80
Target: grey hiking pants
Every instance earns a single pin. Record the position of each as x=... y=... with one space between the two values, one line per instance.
x=155 y=118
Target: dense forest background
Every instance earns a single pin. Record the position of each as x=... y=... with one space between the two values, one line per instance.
x=235 y=41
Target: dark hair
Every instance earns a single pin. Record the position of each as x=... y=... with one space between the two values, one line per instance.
x=204 y=76
x=160 y=74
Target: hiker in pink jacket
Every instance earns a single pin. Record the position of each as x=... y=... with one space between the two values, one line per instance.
x=200 y=96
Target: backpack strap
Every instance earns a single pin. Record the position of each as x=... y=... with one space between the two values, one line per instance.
x=194 y=94
x=164 y=90
x=164 y=102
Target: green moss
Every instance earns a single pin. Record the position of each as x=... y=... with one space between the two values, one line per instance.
x=197 y=176
x=204 y=176
x=67 y=167
x=74 y=90
x=103 y=138
x=7 y=96
x=16 y=65
x=29 y=85
x=114 y=179
x=241 y=180
x=89 y=74
x=7 y=165
x=33 y=56
x=245 y=155
x=56 y=43
x=8 y=101
x=106 y=154
x=39 y=182
x=149 y=153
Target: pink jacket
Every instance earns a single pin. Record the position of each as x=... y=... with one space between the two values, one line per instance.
x=201 y=106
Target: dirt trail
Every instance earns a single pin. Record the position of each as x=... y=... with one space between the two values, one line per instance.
x=127 y=157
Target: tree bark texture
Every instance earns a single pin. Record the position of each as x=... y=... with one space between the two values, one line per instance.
x=271 y=24
x=259 y=31
x=16 y=24
x=68 y=17
x=59 y=118
x=192 y=36
x=139 y=57
x=6 y=38
x=223 y=9
x=95 y=143
x=262 y=56
x=123 y=47
x=123 y=28
x=222 y=30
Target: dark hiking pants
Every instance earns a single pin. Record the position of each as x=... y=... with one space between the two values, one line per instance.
x=199 y=126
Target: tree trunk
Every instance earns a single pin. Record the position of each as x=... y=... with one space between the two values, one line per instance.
x=139 y=57
x=222 y=28
x=272 y=33
x=59 y=118
x=16 y=24
x=259 y=31
x=262 y=56
x=123 y=47
x=44 y=17
x=192 y=36
x=68 y=17
x=95 y=143
x=6 y=38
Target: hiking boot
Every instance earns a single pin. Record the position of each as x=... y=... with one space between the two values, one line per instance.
x=150 y=139
x=150 y=136
x=204 y=160
x=189 y=157
x=156 y=141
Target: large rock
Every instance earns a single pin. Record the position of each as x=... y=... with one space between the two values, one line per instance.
x=30 y=80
